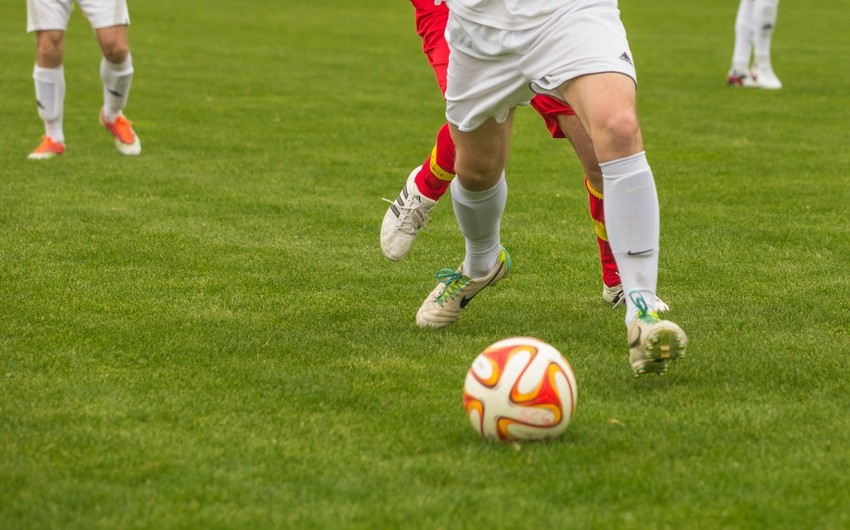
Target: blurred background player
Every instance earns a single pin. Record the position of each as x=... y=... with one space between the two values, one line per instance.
x=429 y=182
x=751 y=66
x=109 y=19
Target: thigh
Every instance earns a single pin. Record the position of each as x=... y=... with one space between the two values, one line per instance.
x=431 y=27
x=606 y=105
x=43 y=15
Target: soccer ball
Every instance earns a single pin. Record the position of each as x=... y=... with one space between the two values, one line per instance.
x=520 y=389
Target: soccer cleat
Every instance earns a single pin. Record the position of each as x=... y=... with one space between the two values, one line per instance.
x=455 y=291
x=654 y=343
x=47 y=149
x=126 y=140
x=614 y=296
x=404 y=218
x=766 y=78
x=738 y=78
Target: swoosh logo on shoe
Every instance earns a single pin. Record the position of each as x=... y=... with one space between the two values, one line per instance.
x=464 y=301
x=640 y=252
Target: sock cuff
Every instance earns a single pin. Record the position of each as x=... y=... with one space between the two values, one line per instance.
x=41 y=73
x=626 y=166
x=438 y=171
x=124 y=68
x=476 y=196
x=591 y=190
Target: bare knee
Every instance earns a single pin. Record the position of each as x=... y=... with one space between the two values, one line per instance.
x=50 y=47
x=477 y=173
x=116 y=53
x=114 y=43
x=619 y=137
x=482 y=154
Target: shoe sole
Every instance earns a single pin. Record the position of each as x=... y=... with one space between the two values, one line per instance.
x=132 y=149
x=662 y=347
x=42 y=156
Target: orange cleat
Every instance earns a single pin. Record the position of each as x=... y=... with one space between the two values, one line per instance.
x=126 y=140
x=47 y=149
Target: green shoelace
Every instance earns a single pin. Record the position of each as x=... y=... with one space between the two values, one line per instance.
x=454 y=280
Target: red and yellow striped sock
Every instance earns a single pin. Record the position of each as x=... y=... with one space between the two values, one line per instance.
x=610 y=272
x=438 y=170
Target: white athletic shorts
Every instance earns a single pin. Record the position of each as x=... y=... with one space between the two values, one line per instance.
x=54 y=14
x=491 y=71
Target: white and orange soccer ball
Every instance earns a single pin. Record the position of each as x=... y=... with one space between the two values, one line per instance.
x=520 y=389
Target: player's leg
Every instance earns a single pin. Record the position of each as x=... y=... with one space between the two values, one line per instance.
x=427 y=183
x=411 y=210
x=479 y=194
x=49 y=77
x=48 y=20
x=572 y=129
x=480 y=100
x=739 y=74
x=606 y=104
x=764 y=21
x=116 y=71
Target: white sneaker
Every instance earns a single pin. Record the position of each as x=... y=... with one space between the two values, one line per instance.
x=738 y=78
x=766 y=78
x=654 y=343
x=404 y=218
x=614 y=296
x=454 y=292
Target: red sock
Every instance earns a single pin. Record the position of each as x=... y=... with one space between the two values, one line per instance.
x=610 y=273
x=439 y=168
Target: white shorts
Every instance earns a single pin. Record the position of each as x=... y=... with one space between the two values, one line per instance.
x=54 y=14
x=491 y=71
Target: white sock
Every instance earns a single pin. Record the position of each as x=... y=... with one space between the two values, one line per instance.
x=633 y=223
x=743 y=36
x=50 y=98
x=764 y=20
x=479 y=216
x=117 y=79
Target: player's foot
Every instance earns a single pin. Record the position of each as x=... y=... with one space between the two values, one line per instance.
x=654 y=343
x=455 y=290
x=766 y=78
x=614 y=296
x=126 y=140
x=738 y=78
x=405 y=216
x=47 y=149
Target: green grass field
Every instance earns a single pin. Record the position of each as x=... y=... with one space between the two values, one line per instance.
x=208 y=337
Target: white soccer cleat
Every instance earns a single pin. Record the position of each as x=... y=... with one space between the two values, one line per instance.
x=654 y=343
x=455 y=291
x=614 y=296
x=404 y=218
x=766 y=78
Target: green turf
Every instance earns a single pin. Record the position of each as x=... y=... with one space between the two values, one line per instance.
x=208 y=337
